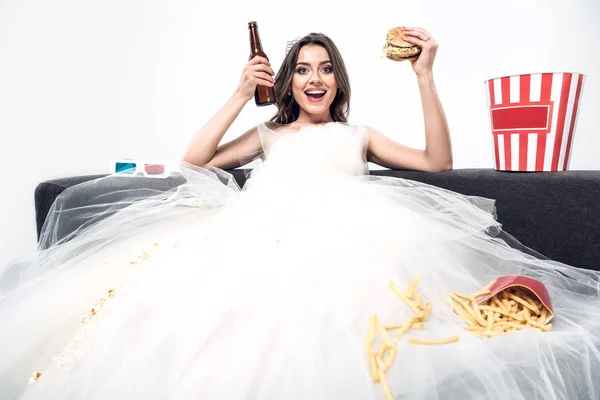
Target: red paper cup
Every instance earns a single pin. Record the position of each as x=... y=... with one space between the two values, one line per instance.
x=532 y=119
x=536 y=288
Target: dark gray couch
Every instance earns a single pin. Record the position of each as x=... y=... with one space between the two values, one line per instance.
x=556 y=214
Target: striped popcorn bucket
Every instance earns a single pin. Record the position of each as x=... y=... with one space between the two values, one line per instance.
x=532 y=118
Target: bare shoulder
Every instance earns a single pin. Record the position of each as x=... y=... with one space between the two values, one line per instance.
x=371 y=135
x=372 y=132
x=239 y=151
x=274 y=126
x=279 y=128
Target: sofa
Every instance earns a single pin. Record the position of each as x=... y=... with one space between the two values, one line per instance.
x=551 y=214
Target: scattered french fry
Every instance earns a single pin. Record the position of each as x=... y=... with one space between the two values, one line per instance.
x=391 y=357
x=381 y=361
x=393 y=327
x=464 y=296
x=409 y=291
x=437 y=341
x=383 y=332
x=485 y=291
x=405 y=327
x=415 y=281
x=370 y=352
x=381 y=352
x=385 y=386
x=419 y=300
x=403 y=297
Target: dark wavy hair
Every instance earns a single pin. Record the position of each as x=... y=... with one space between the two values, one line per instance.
x=288 y=109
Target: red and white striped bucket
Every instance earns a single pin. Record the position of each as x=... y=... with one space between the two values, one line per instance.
x=532 y=118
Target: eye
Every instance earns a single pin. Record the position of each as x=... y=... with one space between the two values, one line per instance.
x=301 y=70
x=328 y=70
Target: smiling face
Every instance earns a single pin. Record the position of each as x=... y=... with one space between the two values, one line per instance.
x=314 y=71
x=314 y=86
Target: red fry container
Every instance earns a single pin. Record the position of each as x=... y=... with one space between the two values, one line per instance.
x=534 y=287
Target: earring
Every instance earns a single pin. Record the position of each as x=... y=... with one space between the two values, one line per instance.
x=289 y=92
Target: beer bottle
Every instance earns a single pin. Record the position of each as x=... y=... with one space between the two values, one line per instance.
x=264 y=95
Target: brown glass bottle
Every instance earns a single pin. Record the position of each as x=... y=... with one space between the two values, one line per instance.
x=264 y=95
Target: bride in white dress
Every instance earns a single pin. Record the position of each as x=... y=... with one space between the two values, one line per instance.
x=211 y=291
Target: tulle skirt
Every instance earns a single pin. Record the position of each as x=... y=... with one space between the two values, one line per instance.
x=267 y=292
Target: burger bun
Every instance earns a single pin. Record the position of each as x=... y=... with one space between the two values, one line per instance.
x=397 y=49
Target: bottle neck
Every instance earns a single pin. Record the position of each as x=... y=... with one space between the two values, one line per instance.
x=255 y=44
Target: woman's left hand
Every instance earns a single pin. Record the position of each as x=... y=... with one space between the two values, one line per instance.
x=423 y=66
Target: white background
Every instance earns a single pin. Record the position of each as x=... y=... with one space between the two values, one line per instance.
x=83 y=82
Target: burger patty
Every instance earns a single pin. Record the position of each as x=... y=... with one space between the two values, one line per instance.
x=401 y=51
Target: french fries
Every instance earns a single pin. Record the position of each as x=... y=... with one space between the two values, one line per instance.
x=511 y=310
x=381 y=361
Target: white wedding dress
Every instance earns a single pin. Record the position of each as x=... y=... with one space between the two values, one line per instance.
x=210 y=291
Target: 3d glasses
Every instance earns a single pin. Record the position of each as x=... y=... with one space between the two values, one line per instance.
x=133 y=168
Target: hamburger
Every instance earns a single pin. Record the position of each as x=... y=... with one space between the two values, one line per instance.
x=395 y=48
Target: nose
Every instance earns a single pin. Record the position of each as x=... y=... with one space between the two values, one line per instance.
x=315 y=78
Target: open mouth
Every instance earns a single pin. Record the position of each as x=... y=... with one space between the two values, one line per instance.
x=315 y=95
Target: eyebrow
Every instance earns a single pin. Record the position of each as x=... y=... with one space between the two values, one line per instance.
x=321 y=63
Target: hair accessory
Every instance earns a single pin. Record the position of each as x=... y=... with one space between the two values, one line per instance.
x=291 y=44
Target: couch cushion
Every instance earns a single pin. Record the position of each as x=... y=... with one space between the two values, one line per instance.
x=554 y=213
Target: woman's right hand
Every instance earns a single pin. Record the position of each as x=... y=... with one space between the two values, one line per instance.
x=256 y=72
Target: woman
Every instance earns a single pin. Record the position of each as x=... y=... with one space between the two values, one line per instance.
x=314 y=63
x=277 y=290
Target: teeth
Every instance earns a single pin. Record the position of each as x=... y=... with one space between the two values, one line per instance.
x=315 y=92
